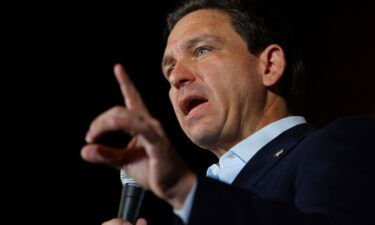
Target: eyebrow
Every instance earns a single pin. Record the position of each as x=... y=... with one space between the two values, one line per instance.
x=188 y=44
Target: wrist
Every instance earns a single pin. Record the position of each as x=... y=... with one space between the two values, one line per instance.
x=178 y=194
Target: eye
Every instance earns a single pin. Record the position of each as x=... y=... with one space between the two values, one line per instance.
x=169 y=71
x=201 y=50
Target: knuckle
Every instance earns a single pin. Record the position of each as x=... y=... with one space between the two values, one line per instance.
x=112 y=222
x=117 y=109
x=156 y=123
x=116 y=122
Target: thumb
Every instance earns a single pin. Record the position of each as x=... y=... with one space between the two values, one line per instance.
x=141 y=221
x=116 y=221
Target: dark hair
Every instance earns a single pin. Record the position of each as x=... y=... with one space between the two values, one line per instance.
x=260 y=27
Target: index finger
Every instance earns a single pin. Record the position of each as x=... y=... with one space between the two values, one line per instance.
x=133 y=99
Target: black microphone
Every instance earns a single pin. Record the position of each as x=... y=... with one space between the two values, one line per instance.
x=131 y=198
x=132 y=193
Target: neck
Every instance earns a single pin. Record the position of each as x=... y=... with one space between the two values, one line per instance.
x=274 y=109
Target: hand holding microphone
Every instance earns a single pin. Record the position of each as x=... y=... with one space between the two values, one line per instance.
x=149 y=157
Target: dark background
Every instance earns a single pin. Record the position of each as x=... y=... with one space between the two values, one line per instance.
x=63 y=55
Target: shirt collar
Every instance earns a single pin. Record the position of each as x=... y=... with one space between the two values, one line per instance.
x=231 y=162
x=248 y=147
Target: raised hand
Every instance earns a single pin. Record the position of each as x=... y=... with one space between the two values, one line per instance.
x=149 y=157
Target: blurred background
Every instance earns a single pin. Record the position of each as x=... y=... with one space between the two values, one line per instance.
x=64 y=55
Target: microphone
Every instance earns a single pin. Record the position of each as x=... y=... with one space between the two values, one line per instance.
x=132 y=193
x=131 y=198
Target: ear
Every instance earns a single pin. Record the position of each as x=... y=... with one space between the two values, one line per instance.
x=273 y=64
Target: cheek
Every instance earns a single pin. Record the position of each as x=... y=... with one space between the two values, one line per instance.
x=218 y=83
x=241 y=74
x=174 y=100
x=223 y=78
x=230 y=82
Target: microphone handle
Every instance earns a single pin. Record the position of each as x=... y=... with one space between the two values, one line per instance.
x=130 y=203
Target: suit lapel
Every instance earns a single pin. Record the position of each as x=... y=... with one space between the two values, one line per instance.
x=268 y=156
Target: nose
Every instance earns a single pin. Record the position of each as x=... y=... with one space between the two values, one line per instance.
x=181 y=75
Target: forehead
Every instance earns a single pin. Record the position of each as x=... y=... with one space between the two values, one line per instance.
x=204 y=22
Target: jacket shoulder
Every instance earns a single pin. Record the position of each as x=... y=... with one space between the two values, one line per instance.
x=347 y=139
x=346 y=129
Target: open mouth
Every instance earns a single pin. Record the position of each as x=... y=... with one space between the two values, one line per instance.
x=192 y=102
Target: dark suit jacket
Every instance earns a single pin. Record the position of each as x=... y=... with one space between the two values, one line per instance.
x=320 y=177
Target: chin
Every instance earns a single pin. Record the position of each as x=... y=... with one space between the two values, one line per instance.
x=205 y=136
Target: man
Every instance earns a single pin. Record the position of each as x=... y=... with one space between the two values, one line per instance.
x=232 y=74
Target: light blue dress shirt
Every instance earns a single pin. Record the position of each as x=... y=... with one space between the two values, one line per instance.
x=231 y=163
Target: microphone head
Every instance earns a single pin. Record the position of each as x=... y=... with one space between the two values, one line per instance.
x=126 y=179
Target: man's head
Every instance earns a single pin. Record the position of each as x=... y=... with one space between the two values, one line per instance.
x=223 y=64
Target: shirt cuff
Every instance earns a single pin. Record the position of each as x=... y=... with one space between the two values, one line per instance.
x=184 y=212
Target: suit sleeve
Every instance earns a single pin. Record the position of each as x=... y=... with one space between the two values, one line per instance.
x=333 y=185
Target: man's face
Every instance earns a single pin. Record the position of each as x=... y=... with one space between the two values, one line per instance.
x=216 y=88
